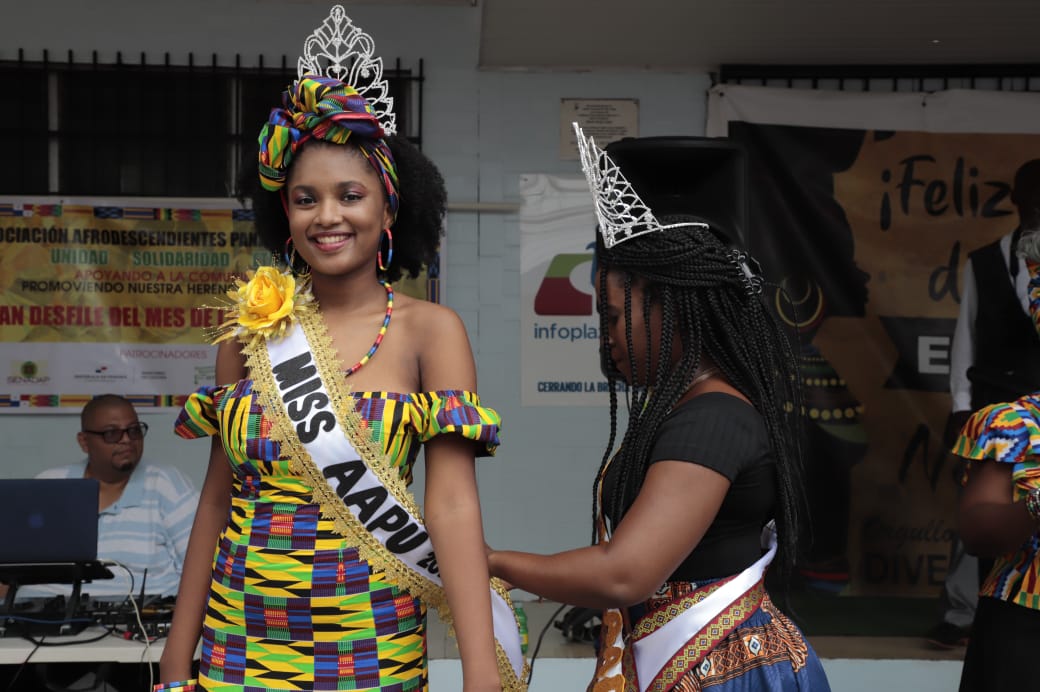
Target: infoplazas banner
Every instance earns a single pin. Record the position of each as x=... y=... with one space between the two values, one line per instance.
x=120 y=296
x=864 y=210
x=559 y=347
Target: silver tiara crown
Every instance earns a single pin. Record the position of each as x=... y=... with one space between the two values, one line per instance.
x=622 y=215
x=341 y=50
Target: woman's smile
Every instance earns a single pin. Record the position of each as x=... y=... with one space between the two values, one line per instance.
x=332 y=242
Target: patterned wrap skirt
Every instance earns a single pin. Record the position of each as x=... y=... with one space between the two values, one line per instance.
x=750 y=646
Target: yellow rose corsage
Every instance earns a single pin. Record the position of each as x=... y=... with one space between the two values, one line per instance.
x=264 y=305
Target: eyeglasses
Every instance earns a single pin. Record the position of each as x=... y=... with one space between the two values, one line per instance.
x=134 y=432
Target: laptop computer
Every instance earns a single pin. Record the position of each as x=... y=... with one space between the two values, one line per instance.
x=48 y=520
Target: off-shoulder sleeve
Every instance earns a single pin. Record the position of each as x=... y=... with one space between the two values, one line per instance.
x=1007 y=433
x=198 y=418
x=459 y=412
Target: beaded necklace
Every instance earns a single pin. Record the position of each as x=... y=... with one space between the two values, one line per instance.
x=382 y=332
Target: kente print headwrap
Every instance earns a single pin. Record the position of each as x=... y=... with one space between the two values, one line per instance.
x=327 y=109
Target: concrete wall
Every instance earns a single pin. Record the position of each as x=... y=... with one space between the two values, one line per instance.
x=483 y=129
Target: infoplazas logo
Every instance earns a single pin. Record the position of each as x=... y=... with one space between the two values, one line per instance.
x=557 y=294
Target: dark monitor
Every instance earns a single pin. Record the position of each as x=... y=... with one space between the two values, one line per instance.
x=53 y=520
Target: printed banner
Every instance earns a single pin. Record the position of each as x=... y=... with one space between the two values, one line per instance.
x=867 y=229
x=559 y=346
x=119 y=296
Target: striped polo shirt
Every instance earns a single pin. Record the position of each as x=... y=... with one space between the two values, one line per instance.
x=146 y=528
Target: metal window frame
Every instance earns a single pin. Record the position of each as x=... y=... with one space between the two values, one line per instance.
x=407 y=84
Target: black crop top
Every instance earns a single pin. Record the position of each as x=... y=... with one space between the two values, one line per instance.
x=727 y=435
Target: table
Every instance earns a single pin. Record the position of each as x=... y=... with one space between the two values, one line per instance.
x=128 y=656
x=78 y=647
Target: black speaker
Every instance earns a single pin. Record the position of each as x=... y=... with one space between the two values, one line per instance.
x=700 y=176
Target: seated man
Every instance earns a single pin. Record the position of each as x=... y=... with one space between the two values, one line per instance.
x=145 y=511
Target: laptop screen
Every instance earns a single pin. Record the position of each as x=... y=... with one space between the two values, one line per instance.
x=48 y=520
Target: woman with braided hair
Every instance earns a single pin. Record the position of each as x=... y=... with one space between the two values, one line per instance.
x=310 y=566
x=709 y=463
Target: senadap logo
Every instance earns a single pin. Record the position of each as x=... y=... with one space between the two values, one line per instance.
x=557 y=294
x=28 y=372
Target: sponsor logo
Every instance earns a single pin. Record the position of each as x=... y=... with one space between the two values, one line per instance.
x=28 y=372
x=558 y=294
x=100 y=373
x=205 y=374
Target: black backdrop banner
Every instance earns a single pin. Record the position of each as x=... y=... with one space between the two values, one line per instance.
x=866 y=229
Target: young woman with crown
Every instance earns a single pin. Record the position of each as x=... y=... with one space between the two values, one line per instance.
x=704 y=488
x=310 y=565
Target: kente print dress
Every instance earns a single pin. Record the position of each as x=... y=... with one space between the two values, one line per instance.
x=292 y=606
x=1007 y=620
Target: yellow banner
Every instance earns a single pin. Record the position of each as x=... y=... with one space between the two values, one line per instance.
x=108 y=273
x=120 y=296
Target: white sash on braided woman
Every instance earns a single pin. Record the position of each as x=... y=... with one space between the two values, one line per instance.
x=321 y=432
x=661 y=651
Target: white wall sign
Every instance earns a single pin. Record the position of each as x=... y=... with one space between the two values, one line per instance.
x=605 y=120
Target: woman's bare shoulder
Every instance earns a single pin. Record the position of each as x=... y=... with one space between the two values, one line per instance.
x=231 y=362
x=431 y=319
x=443 y=349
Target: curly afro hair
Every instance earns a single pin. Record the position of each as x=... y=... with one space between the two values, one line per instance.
x=420 y=218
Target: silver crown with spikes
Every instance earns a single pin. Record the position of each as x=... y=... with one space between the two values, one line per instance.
x=621 y=213
x=341 y=50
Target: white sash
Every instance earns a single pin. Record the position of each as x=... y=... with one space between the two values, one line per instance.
x=392 y=520
x=652 y=652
